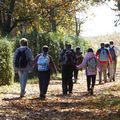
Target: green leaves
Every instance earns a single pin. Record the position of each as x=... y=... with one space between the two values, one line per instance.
x=6 y=66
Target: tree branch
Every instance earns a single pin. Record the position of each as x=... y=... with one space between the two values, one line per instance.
x=20 y=21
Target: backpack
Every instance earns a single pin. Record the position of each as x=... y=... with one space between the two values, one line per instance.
x=21 y=60
x=103 y=55
x=79 y=59
x=43 y=62
x=69 y=57
x=112 y=53
x=92 y=64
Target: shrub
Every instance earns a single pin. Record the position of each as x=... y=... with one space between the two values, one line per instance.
x=6 y=66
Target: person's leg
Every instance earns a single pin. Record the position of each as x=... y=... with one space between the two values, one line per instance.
x=75 y=75
x=114 y=69
x=111 y=71
x=64 y=81
x=93 y=80
x=100 y=74
x=93 y=83
x=108 y=70
x=69 y=78
x=88 y=82
x=70 y=84
x=105 y=72
x=44 y=78
x=46 y=82
x=23 y=76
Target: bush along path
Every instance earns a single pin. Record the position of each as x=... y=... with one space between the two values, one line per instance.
x=103 y=105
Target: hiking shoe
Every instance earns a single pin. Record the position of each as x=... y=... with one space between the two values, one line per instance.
x=22 y=94
x=110 y=80
x=105 y=81
x=100 y=82
x=91 y=91
x=42 y=97
x=70 y=92
x=113 y=79
x=64 y=94
x=75 y=80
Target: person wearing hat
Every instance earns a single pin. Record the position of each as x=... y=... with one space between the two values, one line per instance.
x=45 y=66
x=22 y=62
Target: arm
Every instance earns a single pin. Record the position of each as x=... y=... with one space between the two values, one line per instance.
x=83 y=64
x=29 y=53
x=117 y=51
x=52 y=65
x=36 y=59
x=109 y=56
x=15 y=55
x=97 y=54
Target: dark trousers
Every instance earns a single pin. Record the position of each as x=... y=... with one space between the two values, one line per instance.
x=67 y=83
x=44 y=78
x=76 y=73
x=91 y=81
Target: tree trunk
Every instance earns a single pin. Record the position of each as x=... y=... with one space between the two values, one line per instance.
x=6 y=18
x=53 y=21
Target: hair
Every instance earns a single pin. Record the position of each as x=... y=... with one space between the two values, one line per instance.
x=111 y=43
x=107 y=45
x=77 y=48
x=23 y=42
x=45 y=48
x=68 y=45
x=102 y=44
x=90 y=50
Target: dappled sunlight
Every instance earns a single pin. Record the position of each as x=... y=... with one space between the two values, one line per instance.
x=77 y=106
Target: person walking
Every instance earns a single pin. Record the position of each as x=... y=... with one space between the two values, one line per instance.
x=114 y=51
x=107 y=46
x=67 y=61
x=89 y=63
x=79 y=59
x=103 y=56
x=45 y=66
x=22 y=62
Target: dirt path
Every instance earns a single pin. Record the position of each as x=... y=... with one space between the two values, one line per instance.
x=78 y=106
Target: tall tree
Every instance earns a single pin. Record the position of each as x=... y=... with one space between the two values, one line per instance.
x=45 y=14
x=59 y=13
x=15 y=12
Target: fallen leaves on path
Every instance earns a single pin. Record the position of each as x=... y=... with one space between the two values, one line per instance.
x=103 y=105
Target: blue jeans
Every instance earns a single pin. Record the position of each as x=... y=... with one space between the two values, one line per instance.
x=44 y=78
x=23 y=76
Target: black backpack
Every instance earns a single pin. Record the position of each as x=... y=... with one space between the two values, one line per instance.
x=21 y=59
x=69 y=57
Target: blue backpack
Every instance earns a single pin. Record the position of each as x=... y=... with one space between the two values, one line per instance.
x=43 y=62
x=92 y=64
x=103 y=55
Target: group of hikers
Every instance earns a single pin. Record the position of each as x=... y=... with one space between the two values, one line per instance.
x=104 y=62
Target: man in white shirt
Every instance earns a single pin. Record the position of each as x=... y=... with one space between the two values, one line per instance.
x=115 y=52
